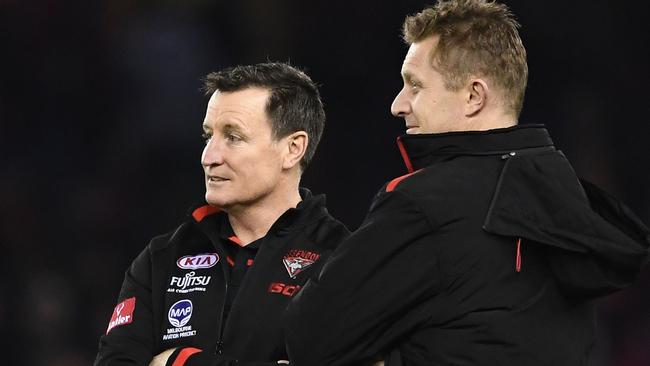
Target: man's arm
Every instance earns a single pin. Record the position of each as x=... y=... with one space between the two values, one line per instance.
x=129 y=336
x=190 y=356
x=354 y=311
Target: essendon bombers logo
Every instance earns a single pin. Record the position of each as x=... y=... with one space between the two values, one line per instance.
x=296 y=260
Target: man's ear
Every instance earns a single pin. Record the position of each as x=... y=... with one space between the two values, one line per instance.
x=477 y=96
x=296 y=146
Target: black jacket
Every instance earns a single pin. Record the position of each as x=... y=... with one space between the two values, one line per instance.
x=489 y=253
x=173 y=294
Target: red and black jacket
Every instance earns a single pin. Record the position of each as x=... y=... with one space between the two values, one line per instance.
x=174 y=294
x=488 y=253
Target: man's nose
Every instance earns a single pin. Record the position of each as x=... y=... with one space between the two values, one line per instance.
x=213 y=153
x=401 y=106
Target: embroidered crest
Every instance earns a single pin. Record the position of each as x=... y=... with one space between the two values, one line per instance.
x=296 y=260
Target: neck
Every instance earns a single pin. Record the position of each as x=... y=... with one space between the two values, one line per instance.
x=253 y=221
x=491 y=120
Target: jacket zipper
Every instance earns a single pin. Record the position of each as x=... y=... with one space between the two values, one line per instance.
x=518 y=250
x=226 y=276
x=222 y=326
x=219 y=348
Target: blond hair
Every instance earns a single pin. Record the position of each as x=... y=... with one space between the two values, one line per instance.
x=476 y=38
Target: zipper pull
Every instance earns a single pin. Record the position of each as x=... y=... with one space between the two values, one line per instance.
x=508 y=155
x=219 y=347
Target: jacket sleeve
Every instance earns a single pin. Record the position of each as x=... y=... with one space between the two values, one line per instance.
x=195 y=357
x=353 y=313
x=129 y=336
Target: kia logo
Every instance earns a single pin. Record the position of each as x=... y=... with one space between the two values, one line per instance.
x=198 y=261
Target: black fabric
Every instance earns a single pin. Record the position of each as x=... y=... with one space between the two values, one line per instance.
x=427 y=149
x=252 y=333
x=241 y=256
x=432 y=278
x=602 y=244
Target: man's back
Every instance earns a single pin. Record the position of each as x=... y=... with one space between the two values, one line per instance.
x=468 y=265
x=497 y=295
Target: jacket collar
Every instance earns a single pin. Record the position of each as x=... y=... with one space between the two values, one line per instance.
x=311 y=208
x=421 y=150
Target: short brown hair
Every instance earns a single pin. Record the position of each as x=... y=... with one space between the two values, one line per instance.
x=294 y=102
x=477 y=37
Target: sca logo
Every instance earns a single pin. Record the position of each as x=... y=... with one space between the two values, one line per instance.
x=180 y=313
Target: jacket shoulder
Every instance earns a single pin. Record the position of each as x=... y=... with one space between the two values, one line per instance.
x=451 y=190
x=187 y=230
x=329 y=232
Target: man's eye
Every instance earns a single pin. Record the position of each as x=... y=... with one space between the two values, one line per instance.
x=233 y=138
x=206 y=136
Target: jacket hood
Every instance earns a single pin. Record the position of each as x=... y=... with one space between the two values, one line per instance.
x=596 y=244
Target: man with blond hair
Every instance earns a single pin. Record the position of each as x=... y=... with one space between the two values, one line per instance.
x=491 y=250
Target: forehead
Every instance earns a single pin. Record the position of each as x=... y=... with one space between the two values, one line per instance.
x=419 y=55
x=238 y=106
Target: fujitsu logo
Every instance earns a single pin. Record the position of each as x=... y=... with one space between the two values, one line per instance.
x=198 y=261
x=190 y=280
x=123 y=314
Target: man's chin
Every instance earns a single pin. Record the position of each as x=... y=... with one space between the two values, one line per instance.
x=214 y=200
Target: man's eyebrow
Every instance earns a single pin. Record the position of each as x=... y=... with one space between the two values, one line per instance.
x=407 y=76
x=226 y=127
x=232 y=127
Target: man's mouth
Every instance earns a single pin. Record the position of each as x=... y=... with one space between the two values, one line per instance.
x=216 y=179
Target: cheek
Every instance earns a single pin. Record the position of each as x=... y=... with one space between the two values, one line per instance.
x=261 y=166
x=425 y=107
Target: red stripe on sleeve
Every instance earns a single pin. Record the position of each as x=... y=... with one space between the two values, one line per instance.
x=184 y=355
x=518 y=259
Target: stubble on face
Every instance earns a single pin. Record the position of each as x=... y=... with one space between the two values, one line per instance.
x=241 y=160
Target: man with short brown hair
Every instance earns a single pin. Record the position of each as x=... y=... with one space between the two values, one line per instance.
x=213 y=290
x=491 y=250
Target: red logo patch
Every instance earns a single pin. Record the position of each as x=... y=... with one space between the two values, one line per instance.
x=123 y=314
x=283 y=288
x=296 y=260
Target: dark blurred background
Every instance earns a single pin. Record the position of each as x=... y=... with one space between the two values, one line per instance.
x=100 y=124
